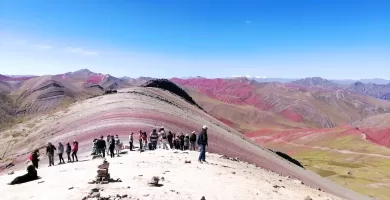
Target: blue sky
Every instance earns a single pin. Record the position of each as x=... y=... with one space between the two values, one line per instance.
x=273 y=38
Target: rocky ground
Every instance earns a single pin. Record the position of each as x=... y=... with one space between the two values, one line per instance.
x=181 y=177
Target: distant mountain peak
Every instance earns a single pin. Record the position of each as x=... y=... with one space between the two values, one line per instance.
x=314 y=81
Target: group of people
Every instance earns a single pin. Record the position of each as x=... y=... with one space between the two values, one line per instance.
x=111 y=144
x=50 y=152
x=170 y=140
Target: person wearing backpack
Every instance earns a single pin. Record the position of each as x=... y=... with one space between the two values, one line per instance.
x=203 y=142
x=193 y=141
x=68 y=150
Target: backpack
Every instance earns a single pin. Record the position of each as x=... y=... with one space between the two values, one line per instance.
x=30 y=157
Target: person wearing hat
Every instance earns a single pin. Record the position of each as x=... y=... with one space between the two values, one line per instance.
x=203 y=142
x=50 y=153
x=193 y=141
x=101 y=146
x=60 y=153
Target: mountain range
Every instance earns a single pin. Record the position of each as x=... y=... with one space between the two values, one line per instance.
x=311 y=119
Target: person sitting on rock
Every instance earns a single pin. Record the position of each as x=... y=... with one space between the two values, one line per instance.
x=30 y=176
x=50 y=153
x=193 y=141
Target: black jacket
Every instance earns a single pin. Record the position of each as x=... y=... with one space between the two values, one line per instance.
x=170 y=137
x=68 y=148
x=50 y=149
x=202 y=139
x=101 y=144
x=193 y=138
x=35 y=157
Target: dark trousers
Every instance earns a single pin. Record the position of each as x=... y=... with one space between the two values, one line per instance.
x=202 y=154
x=154 y=145
x=140 y=145
x=192 y=146
x=170 y=144
x=35 y=164
x=61 y=158
x=131 y=146
x=68 y=153
x=112 y=152
x=101 y=151
x=74 y=155
x=51 y=159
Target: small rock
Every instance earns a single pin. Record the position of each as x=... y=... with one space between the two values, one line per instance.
x=124 y=196
x=95 y=195
x=187 y=162
x=11 y=172
x=162 y=179
x=41 y=182
x=95 y=190
x=233 y=172
x=203 y=198
x=128 y=187
x=308 y=198
x=118 y=196
x=70 y=188
x=146 y=195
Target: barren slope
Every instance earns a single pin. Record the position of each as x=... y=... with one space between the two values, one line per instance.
x=147 y=108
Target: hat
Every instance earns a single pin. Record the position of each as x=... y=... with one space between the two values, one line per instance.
x=205 y=127
x=162 y=126
x=193 y=131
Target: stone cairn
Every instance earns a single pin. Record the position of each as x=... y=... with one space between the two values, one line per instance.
x=103 y=176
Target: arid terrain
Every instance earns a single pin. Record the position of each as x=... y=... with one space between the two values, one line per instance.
x=341 y=135
x=180 y=180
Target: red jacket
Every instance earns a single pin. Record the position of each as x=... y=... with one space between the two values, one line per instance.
x=75 y=146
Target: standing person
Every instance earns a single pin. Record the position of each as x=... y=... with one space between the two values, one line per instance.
x=94 y=149
x=75 y=149
x=186 y=142
x=60 y=153
x=153 y=139
x=131 y=141
x=164 y=139
x=203 y=142
x=193 y=141
x=101 y=146
x=50 y=152
x=35 y=158
x=112 y=146
x=145 y=139
x=181 y=139
x=140 y=140
x=170 y=139
x=68 y=150
x=177 y=143
x=108 y=143
x=118 y=146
